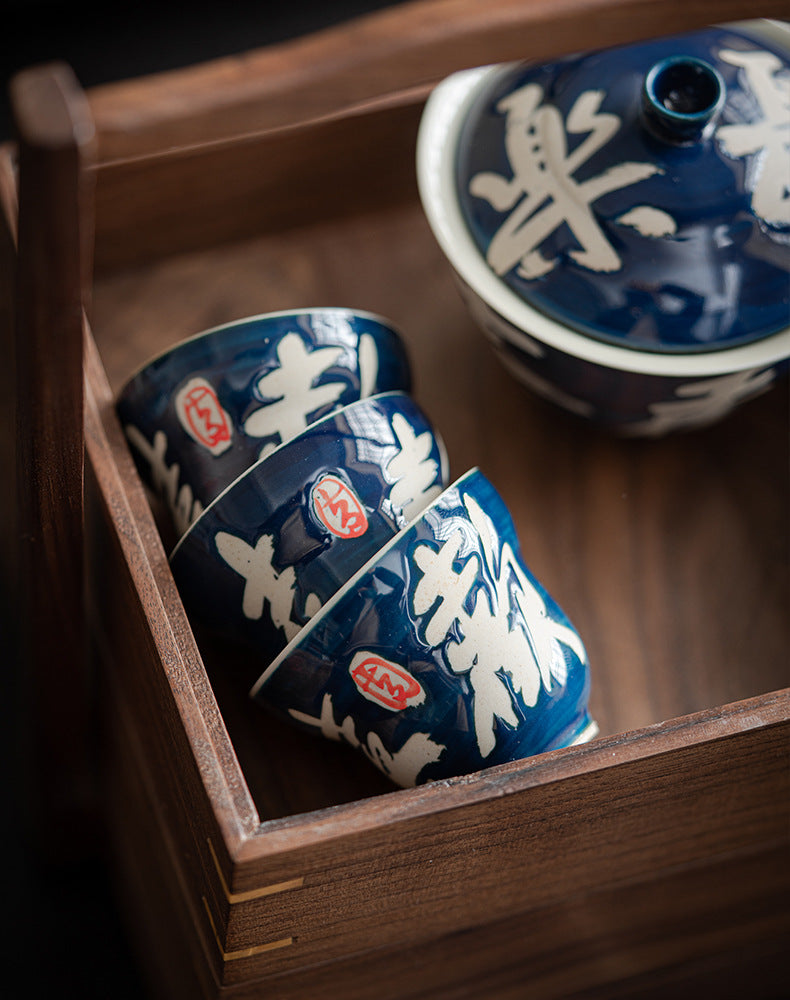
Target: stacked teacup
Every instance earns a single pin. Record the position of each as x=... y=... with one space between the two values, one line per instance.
x=309 y=495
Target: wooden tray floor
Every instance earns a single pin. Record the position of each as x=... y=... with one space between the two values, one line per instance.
x=671 y=556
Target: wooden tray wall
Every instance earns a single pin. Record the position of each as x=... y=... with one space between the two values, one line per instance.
x=249 y=854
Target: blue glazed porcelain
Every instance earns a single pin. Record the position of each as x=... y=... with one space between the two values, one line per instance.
x=200 y=414
x=620 y=222
x=612 y=211
x=443 y=655
x=278 y=542
x=620 y=393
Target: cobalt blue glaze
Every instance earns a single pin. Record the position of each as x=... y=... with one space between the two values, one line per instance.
x=199 y=415
x=443 y=655
x=280 y=541
x=628 y=403
x=665 y=229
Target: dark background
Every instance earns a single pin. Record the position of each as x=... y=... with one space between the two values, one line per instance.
x=115 y=41
x=61 y=932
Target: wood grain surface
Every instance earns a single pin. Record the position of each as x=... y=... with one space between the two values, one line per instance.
x=670 y=556
x=138 y=624
x=682 y=931
x=9 y=545
x=249 y=144
x=254 y=859
x=55 y=234
x=409 y=45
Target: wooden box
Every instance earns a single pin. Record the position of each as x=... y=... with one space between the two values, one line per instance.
x=250 y=860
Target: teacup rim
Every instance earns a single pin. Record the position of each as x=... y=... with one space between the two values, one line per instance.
x=437 y=142
x=325 y=609
x=332 y=415
x=242 y=321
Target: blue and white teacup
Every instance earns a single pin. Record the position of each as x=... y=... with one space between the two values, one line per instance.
x=443 y=654
x=277 y=544
x=201 y=413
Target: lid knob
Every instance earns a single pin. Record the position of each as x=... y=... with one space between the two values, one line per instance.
x=681 y=97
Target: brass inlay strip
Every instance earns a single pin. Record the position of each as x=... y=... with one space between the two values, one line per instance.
x=243 y=897
x=232 y=956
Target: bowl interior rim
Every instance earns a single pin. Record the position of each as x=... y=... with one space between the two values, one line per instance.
x=181 y=347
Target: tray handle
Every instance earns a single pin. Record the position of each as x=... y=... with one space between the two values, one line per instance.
x=409 y=46
x=55 y=234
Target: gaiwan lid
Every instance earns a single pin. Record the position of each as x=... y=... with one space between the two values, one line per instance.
x=641 y=194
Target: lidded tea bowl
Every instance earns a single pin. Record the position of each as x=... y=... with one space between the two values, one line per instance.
x=619 y=220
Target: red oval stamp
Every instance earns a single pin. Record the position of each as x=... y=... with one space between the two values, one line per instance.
x=338 y=507
x=202 y=417
x=384 y=682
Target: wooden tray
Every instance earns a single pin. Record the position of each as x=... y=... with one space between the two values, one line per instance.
x=251 y=860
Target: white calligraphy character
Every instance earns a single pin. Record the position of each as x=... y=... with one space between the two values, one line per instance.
x=698 y=404
x=412 y=470
x=490 y=630
x=769 y=137
x=262 y=582
x=543 y=195
x=183 y=506
x=292 y=385
x=291 y=388
x=403 y=766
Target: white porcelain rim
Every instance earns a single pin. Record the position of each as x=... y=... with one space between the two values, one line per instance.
x=233 y=324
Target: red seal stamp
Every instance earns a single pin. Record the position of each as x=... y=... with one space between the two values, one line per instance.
x=385 y=683
x=202 y=417
x=338 y=507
